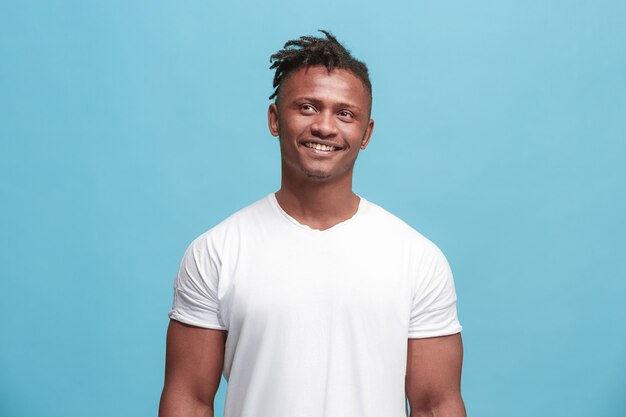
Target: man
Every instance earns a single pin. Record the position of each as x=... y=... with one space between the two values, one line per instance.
x=314 y=302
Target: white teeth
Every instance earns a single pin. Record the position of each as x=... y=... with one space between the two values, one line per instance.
x=320 y=147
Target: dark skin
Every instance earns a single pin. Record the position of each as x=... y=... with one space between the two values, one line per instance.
x=193 y=369
x=322 y=120
x=433 y=376
x=322 y=108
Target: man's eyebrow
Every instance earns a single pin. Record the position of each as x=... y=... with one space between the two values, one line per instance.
x=348 y=106
x=318 y=101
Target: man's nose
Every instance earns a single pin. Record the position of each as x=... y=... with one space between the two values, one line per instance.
x=325 y=125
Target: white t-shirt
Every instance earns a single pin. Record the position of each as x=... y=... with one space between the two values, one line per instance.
x=317 y=321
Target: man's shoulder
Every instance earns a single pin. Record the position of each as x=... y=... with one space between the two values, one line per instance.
x=244 y=218
x=392 y=226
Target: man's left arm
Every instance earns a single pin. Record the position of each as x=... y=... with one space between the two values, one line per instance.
x=433 y=376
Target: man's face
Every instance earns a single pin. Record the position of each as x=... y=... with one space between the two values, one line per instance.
x=322 y=121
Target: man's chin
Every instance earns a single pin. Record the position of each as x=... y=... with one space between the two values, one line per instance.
x=325 y=174
x=317 y=175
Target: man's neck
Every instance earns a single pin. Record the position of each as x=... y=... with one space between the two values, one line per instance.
x=317 y=204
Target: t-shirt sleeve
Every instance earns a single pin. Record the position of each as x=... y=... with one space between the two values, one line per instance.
x=196 y=287
x=433 y=310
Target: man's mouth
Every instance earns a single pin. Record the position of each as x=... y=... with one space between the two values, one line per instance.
x=321 y=147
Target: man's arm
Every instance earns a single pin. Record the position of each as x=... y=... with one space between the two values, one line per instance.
x=193 y=369
x=433 y=376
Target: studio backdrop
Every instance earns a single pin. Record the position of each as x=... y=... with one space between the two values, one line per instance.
x=128 y=128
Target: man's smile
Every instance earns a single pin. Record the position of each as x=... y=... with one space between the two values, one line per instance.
x=321 y=147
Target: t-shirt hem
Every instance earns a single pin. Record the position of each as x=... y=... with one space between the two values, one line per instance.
x=183 y=319
x=425 y=335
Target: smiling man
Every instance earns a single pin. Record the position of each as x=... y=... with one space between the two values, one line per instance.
x=314 y=302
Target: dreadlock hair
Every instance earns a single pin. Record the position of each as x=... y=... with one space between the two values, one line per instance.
x=308 y=51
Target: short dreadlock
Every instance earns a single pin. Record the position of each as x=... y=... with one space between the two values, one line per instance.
x=308 y=51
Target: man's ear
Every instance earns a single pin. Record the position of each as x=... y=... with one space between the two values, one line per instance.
x=368 y=134
x=272 y=119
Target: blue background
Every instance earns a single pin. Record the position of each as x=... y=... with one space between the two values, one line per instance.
x=130 y=127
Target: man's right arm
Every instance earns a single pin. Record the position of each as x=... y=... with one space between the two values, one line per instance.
x=193 y=370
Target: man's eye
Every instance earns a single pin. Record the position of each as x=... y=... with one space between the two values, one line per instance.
x=346 y=114
x=307 y=107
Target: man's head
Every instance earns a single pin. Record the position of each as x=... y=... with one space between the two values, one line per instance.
x=322 y=110
x=311 y=51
